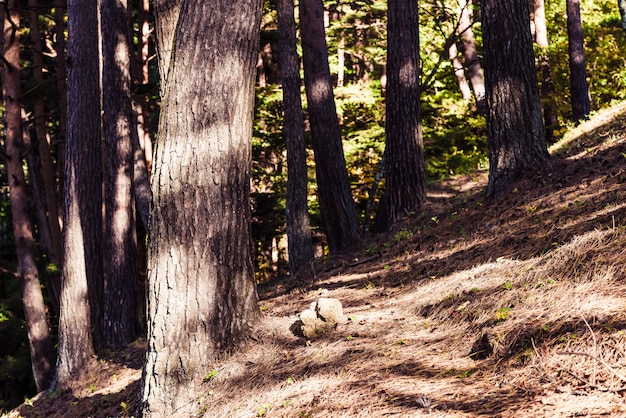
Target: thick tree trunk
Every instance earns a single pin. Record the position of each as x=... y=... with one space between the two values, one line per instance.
x=41 y=348
x=333 y=188
x=515 y=132
x=121 y=274
x=404 y=149
x=201 y=292
x=82 y=235
x=579 y=89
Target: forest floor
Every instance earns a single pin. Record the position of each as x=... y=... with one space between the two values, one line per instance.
x=534 y=279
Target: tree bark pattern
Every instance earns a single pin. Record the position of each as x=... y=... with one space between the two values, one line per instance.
x=579 y=89
x=81 y=293
x=333 y=188
x=40 y=343
x=515 y=132
x=201 y=291
x=405 y=154
x=298 y=225
x=121 y=275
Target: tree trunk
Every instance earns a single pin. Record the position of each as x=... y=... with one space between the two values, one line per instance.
x=201 y=291
x=459 y=72
x=298 y=226
x=41 y=348
x=121 y=274
x=551 y=121
x=515 y=132
x=404 y=149
x=579 y=88
x=622 y=12
x=61 y=81
x=82 y=235
x=47 y=169
x=470 y=56
x=333 y=188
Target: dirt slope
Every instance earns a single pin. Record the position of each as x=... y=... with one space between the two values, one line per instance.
x=532 y=284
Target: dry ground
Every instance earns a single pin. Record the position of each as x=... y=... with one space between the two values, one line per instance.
x=533 y=283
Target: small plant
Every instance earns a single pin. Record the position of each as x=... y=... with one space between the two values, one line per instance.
x=531 y=209
x=401 y=342
x=262 y=410
x=503 y=313
x=403 y=235
x=210 y=375
x=508 y=285
x=290 y=380
x=124 y=407
x=285 y=403
x=349 y=337
x=370 y=286
x=92 y=387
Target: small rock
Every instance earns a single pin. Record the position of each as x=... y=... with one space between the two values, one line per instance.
x=320 y=319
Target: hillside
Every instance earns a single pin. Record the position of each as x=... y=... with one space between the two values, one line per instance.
x=532 y=283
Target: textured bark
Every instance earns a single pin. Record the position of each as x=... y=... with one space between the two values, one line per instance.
x=579 y=89
x=515 y=132
x=121 y=274
x=470 y=56
x=333 y=188
x=622 y=11
x=298 y=225
x=201 y=292
x=404 y=149
x=41 y=348
x=166 y=13
x=61 y=81
x=82 y=233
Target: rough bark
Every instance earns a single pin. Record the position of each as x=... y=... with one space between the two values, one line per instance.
x=298 y=225
x=333 y=188
x=515 y=132
x=121 y=274
x=201 y=292
x=404 y=150
x=61 y=80
x=579 y=89
x=41 y=348
x=82 y=218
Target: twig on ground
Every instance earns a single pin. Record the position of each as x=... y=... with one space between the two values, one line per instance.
x=599 y=360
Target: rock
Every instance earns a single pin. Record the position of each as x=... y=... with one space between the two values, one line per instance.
x=320 y=319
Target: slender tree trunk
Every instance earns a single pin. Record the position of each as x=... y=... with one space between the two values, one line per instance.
x=404 y=149
x=470 y=56
x=201 y=291
x=82 y=233
x=459 y=72
x=61 y=80
x=622 y=11
x=141 y=103
x=515 y=132
x=579 y=88
x=298 y=226
x=47 y=169
x=548 y=95
x=336 y=204
x=121 y=274
x=41 y=348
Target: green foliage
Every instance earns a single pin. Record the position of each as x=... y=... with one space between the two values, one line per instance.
x=15 y=367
